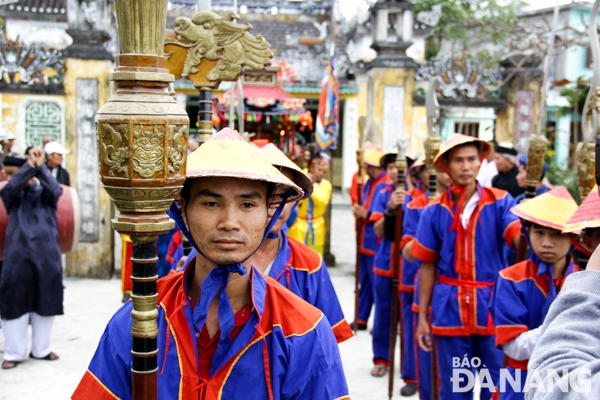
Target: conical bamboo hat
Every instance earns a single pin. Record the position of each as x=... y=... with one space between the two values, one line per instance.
x=456 y=140
x=587 y=215
x=226 y=154
x=551 y=209
x=278 y=159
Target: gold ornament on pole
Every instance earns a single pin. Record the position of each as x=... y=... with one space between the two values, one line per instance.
x=208 y=49
x=434 y=139
x=142 y=146
x=536 y=154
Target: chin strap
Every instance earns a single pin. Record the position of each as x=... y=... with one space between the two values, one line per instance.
x=215 y=283
x=546 y=269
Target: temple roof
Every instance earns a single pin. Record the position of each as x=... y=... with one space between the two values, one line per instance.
x=37 y=9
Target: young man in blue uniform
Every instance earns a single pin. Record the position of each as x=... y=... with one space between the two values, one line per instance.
x=460 y=244
x=386 y=197
x=368 y=239
x=294 y=265
x=412 y=215
x=524 y=292
x=212 y=342
x=385 y=204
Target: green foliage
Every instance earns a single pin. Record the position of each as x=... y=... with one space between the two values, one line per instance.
x=567 y=178
x=468 y=24
x=578 y=91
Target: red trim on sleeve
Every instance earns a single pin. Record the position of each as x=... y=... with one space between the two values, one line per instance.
x=423 y=253
x=518 y=364
x=507 y=333
x=342 y=331
x=511 y=232
x=406 y=239
x=90 y=387
x=375 y=216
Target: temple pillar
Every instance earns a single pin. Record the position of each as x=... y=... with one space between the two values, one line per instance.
x=87 y=66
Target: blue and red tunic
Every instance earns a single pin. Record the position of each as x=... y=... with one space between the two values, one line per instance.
x=301 y=270
x=412 y=215
x=414 y=210
x=285 y=342
x=384 y=255
x=368 y=239
x=467 y=260
x=521 y=299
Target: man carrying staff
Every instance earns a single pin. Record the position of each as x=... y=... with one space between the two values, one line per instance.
x=368 y=240
x=460 y=244
x=309 y=227
x=412 y=215
x=212 y=342
x=386 y=199
x=294 y=265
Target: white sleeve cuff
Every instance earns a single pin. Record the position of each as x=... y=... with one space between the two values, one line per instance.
x=521 y=347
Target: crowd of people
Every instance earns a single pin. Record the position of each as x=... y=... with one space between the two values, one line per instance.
x=465 y=300
x=252 y=301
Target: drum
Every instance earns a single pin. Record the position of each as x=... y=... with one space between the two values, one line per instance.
x=67 y=214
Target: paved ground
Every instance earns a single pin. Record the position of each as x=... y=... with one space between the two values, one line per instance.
x=90 y=303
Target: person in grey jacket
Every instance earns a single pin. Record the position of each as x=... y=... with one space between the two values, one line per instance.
x=569 y=346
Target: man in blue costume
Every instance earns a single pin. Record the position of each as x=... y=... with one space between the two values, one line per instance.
x=460 y=244
x=368 y=240
x=293 y=264
x=412 y=215
x=213 y=342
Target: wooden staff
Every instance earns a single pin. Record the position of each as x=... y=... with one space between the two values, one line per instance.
x=586 y=154
x=432 y=148
x=358 y=227
x=537 y=142
x=397 y=252
x=535 y=166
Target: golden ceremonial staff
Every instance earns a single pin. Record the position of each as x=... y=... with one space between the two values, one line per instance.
x=142 y=143
x=397 y=253
x=432 y=148
x=586 y=154
x=143 y=135
x=586 y=157
x=537 y=142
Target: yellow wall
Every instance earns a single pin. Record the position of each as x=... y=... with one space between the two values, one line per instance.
x=382 y=77
x=88 y=259
x=418 y=133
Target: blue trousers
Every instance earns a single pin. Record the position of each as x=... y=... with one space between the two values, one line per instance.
x=479 y=346
x=424 y=366
x=383 y=313
x=408 y=365
x=365 y=291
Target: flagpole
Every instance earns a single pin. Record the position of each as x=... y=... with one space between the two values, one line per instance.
x=333 y=27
